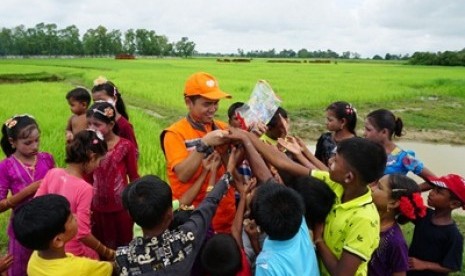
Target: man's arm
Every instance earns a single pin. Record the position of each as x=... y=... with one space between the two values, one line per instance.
x=187 y=168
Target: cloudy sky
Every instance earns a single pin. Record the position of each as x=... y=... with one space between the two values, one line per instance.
x=367 y=27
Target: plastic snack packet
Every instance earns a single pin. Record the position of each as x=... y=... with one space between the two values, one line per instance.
x=261 y=106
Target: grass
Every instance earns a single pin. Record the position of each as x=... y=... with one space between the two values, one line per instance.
x=425 y=97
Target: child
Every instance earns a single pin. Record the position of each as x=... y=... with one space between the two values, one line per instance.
x=348 y=241
x=112 y=224
x=83 y=155
x=341 y=120
x=79 y=101
x=23 y=166
x=162 y=251
x=106 y=91
x=277 y=127
x=437 y=245
x=223 y=254
x=394 y=195
x=288 y=250
x=380 y=127
x=46 y=224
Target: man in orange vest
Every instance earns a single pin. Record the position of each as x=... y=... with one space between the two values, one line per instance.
x=188 y=141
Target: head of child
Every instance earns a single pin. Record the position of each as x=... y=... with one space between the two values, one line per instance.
x=398 y=194
x=221 y=255
x=101 y=117
x=45 y=223
x=20 y=133
x=232 y=118
x=357 y=161
x=105 y=90
x=276 y=127
x=78 y=100
x=148 y=201
x=381 y=125
x=341 y=115
x=318 y=199
x=86 y=149
x=278 y=210
x=448 y=192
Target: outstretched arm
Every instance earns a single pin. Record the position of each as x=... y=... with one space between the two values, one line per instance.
x=17 y=198
x=270 y=153
x=259 y=168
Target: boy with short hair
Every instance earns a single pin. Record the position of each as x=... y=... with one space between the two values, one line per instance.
x=162 y=251
x=46 y=224
x=288 y=250
x=437 y=245
x=351 y=230
x=79 y=101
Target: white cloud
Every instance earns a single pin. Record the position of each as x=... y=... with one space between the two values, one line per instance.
x=365 y=26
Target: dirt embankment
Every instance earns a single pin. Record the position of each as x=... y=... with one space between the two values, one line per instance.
x=310 y=130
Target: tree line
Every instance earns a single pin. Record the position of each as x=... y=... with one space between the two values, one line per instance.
x=48 y=40
x=447 y=58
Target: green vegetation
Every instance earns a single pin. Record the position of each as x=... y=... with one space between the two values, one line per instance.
x=427 y=98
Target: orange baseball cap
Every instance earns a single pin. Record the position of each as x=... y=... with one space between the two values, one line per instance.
x=205 y=85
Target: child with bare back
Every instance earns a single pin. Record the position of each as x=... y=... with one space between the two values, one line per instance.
x=78 y=100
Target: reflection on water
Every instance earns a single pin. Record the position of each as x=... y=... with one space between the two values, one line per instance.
x=439 y=158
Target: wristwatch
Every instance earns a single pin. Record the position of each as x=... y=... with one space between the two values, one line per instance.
x=228 y=178
x=203 y=148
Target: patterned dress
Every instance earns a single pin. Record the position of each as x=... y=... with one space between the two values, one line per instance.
x=13 y=178
x=325 y=147
x=112 y=224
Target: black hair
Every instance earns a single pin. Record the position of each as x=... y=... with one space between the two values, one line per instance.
x=278 y=210
x=147 y=199
x=344 y=110
x=407 y=191
x=17 y=127
x=221 y=256
x=275 y=119
x=84 y=143
x=367 y=158
x=385 y=119
x=232 y=109
x=111 y=90
x=104 y=112
x=79 y=94
x=37 y=222
x=318 y=199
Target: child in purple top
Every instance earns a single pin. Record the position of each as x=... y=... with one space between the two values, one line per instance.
x=21 y=170
x=394 y=195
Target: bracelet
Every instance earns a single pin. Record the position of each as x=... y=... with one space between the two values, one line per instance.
x=201 y=147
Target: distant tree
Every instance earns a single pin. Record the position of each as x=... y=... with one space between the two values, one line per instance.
x=377 y=57
x=129 y=44
x=303 y=53
x=70 y=44
x=345 y=55
x=184 y=47
x=6 y=42
x=355 y=55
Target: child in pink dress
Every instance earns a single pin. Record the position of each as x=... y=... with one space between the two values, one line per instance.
x=83 y=154
x=112 y=224
x=22 y=168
